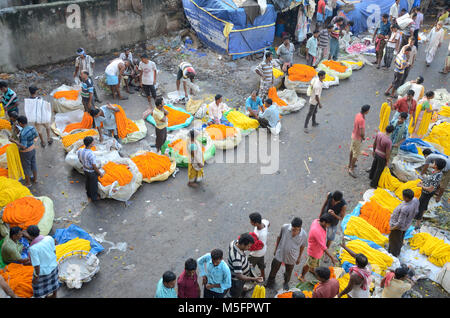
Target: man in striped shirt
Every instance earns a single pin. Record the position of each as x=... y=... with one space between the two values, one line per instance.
x=265 y=70
x=324 y=42
x=401 y=62
x=239 y=265
x=334 y=40
x=9 y=100
x=88 y=160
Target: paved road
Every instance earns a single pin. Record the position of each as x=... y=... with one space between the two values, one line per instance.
x=168 y=222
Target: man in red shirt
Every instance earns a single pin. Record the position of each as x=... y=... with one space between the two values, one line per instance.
x=187 y=282
x=358 y=135
x=405 y=104
x=381 y=152
x=327 y=288
x=320 y=17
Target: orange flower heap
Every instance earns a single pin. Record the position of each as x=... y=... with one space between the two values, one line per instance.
x=19 y=278
x=301 y=72
x=151 y=164
x=85 y=123
x=5 y=124
x=115 y=172
x=73 y=138
x=23 y=212
x=377 y=216
x=220 y=132
x=272 y=94
x=176 y=117
x=3 y=149
x=71 y=95
x=336 y=66
x=180 y=146
x=125 y=125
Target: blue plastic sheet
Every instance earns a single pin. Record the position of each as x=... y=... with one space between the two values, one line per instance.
x=209 y=17
x=26 y=245
x=410 y=145
x=367 y=13
x=188 y=121
x=72 y=232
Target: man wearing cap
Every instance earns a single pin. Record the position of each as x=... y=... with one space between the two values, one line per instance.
x=85 y=62
x=185 y=72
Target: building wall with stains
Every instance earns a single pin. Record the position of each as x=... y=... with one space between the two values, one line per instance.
x=42 y=34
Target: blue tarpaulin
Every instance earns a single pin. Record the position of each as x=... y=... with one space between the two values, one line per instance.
x=72 y=232
x=367 y=13
x=222 y=25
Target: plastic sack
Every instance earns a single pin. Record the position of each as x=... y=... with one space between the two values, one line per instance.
x=188 y=121
x=298 y=86
x=46 y=223
x=355 y=65
x=405 y=170
x=122 y=193
x=229 y=142
x=294 y=103
x=403 y=89
x=275 y=130
x=182 y=161
x=71 y=232
x=161 y=177
x=63 y=105
x=137 y=135
x=330 y=81
x=92 y=132
x=340 y=75
x=105 y=151
x=38 y=111
x=404 y=21
x=63 y=119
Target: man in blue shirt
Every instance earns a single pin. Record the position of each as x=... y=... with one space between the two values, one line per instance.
x=216 y=274
x=253 y=104
x=166 y=286
x=380 y=36
x=87 y=90
x=27 y=137
x=270 y=117
x=105 y=115
x=400 y=132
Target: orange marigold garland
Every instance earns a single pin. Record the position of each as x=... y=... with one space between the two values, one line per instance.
x=19 y=278
x=85 y=123
x=151 y=164
x=23 y=212
x=220 y=132
x=301 y=72
x=71 y=95
x=175 y=117
x=3 y=172
x=115 y=172
x=336 y=66
x=272 y=94
x=3 y=149
x=377 y=216
x=73 y=138
x=180 y=146
x=5 y=124
x=125 y=125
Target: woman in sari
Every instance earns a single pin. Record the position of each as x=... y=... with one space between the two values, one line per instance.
x=419 y=127
x=435 y=39
x=196 y=160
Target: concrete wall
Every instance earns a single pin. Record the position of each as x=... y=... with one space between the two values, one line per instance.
x=44 y=34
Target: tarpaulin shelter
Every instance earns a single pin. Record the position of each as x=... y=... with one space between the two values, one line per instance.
x=225 y=27
x=367 y=13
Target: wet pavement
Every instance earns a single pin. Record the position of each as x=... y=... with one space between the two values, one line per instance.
x=167 y=222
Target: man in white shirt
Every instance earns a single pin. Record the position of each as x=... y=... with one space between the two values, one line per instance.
x=314 y=99
x=216 y=110
x=147 y=78
x=393 y=12
x=114 y=73
x=256 y=258
x=85 y=62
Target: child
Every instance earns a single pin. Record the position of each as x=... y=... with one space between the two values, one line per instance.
x=261 y=228
x=429 y=186
x=196 y=161
x=166 y=286
x=9 y=100
x=187 y=282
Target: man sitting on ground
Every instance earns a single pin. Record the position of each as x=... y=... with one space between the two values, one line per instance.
x=253 y=105
x=216 y=110
x=271 y=116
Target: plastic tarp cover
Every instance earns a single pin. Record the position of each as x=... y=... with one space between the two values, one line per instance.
x=71 y=232
x=410 y=145
x=63 y=119
x=209 y=18
x=367 y=13
x=188 y=121
x=63 y=105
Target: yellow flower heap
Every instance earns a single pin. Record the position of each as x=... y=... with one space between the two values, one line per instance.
x=357 y=226
x=387 y=181
x=437 y=250
x=378 y=260
x=241 y=121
